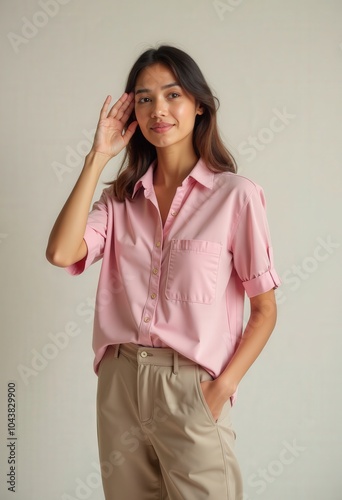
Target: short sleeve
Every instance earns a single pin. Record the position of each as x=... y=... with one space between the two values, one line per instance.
x=94 y=236
x=251 y=246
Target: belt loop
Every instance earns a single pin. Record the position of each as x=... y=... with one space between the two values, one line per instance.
x=116 y=352
x=175 y=362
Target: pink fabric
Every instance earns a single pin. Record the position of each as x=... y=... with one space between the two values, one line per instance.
x=181 y=286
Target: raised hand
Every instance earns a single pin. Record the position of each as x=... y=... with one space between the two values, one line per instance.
x=109 y=137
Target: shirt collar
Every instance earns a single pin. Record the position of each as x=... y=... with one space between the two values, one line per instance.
x=199 y=173
x=146 y=180
x=202 y=174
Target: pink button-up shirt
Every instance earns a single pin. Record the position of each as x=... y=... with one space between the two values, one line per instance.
x=181 y=285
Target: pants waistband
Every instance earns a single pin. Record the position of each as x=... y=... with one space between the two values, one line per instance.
x=161 y=356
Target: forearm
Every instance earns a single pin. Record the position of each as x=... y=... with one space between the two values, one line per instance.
x=67 y=233
x=257 y=332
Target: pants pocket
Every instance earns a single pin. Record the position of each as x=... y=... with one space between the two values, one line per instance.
x=202 y=375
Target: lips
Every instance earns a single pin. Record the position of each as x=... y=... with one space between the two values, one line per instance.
x=161 y=127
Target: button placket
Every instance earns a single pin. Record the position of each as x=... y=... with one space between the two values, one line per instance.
x=151 y=303
x=175 y=207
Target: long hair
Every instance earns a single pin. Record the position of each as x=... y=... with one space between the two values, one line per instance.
x=207 y=142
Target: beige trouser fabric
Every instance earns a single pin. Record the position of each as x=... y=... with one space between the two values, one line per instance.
x=157 y=437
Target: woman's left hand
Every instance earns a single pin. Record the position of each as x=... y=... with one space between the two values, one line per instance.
x=214 y=396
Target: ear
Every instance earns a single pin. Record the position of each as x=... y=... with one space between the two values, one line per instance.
x=199 y=109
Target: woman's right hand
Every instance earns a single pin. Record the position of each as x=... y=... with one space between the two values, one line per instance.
x=109 y=138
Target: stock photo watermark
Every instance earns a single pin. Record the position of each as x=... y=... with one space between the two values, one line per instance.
x=130 y=441
x=59 y=341
x=256 y=143
x=31 y=27
x=267 y=475
x=297 y=273
x=11 y=445
x=226 y=6
x=40 y=360
x=74 y=156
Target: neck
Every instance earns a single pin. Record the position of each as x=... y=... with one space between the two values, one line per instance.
x=173 y=166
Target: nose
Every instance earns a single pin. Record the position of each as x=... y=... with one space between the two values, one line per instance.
x=159 y=108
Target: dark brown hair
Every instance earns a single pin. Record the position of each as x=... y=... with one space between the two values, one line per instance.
x=207 y=142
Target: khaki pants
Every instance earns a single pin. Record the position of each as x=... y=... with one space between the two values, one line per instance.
x=157 y=437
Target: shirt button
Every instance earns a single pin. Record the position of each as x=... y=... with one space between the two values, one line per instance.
x=173 y=213
x=143 y=354
x=153 y=295
x=158 y=244
x=155 y=271
x=147 y=319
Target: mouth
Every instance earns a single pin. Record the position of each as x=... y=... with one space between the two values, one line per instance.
x=162 y=127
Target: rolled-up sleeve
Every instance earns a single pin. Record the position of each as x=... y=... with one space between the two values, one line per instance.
x=95 y=236
x=251 y=246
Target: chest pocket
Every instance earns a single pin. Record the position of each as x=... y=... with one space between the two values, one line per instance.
x=192 y=271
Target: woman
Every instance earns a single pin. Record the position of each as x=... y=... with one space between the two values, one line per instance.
x=182 y=238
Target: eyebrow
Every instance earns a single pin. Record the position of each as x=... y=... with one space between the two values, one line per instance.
x=173 y=84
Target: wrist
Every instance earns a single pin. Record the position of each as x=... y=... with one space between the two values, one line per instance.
x=226 y=384
x=96 y=160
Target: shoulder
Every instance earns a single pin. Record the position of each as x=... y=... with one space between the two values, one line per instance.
x=107 y=197
x=238 y=186
x=107 y=193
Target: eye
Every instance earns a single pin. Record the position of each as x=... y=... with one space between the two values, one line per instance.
x=142 y=100
x=174 y=95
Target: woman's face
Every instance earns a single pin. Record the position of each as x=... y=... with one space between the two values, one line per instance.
x=164 y=111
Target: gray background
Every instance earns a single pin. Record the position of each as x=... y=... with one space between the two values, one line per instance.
x=264 y=59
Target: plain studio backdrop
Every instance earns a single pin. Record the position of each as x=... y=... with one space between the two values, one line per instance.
x=276 y=67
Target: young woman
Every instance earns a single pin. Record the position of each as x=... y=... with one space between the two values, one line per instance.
x=182 y=238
